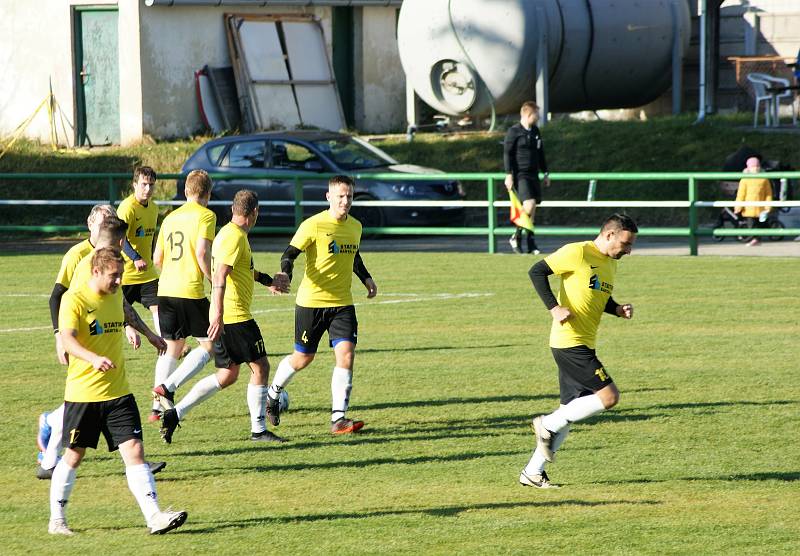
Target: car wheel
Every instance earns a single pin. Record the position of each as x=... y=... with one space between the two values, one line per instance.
x=370 y=217
x=776 y=225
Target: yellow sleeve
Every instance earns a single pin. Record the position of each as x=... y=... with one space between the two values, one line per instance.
x=565 y=260
x=69 y=314
x=304 y=236
x=66 y=271
x=208 y=224
x=226 y=250
x=125 y=212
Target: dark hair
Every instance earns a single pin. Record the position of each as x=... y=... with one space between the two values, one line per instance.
x=244 y=202
x=111 y=230
x=619 y=221
x=145 y=171
x=341 y=180
x=105 y=257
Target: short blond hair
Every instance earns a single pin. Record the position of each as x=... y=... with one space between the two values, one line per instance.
x=528 y=107
x=99 y=213
x=107 y=257
x=198 y=184
x=244 y=202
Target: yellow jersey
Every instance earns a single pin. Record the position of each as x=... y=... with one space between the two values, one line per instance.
x=99 y=322
x=180 y=233
x=330 y=247
x=82 y=272
x=587 y=281
x=70 y=261
x=231 y=247
x=754 y=189
x=141 y=230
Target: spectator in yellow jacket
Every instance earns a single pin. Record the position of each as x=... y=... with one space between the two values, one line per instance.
x=753 y=189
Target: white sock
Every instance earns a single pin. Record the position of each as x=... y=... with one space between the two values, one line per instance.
x=341 y=385
x=60 y=488
x=283 y=375
x=143 y=487
x=192 y=364
x=200 y=392
x=257 y=402
x=165 y=365
x=56 y=422
x=156 y=324
x=536 y=464
x=576 y=410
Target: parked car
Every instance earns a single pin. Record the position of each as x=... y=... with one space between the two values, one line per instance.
x=309 y=153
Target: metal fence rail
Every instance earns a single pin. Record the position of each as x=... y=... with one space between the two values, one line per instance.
x=491 y=180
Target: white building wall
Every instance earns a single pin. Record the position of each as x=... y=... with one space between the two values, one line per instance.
x=382 y=79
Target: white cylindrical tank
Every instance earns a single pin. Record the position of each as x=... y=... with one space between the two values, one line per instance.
x=467 y=56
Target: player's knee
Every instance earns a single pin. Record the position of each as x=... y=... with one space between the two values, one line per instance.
x=226 y=377
x=300 y=361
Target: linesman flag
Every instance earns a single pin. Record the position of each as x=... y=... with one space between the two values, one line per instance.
x=518 y=215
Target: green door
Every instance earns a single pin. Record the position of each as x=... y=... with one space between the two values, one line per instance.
x=97 y=76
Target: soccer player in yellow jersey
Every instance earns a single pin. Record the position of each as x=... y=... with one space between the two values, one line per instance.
x=235 y=334
x=587 y=271
x=330 y=241
x=183 y=252
x=50 y=422
x=140 y=212
x=97 y=396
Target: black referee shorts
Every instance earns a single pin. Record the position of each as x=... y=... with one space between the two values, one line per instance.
x=580 y=372
x=528 y=188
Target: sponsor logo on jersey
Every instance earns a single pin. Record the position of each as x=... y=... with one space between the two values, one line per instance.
x=108 y=327
x=335 y=248
x=596 y=284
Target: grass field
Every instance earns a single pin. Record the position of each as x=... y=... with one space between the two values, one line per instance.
x=700 y=457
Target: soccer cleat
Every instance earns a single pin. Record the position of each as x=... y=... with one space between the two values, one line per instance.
x=540 y=480
x=164 y=397
x=274 y=410
x=166 y=520
x=266 y=436
x=59 y=527
x=544 y=438
x=156 y=466
x=513 y=241
x=43 y=436
x=44 y=474
x=154 y=416
x=346 y=426
x=169 y=422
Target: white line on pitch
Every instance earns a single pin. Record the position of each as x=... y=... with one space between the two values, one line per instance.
x=433 y=297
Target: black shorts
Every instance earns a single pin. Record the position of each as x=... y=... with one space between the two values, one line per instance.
x=146 y=294
x=528 y=188
x=117 y=419
x=580 y=372
x=310 y=323
x=239 y=343
x=181 y=318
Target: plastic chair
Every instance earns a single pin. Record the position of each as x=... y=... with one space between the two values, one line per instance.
x=760 y=84
x=778 y=95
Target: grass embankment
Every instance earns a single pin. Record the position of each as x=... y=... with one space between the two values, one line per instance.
x=663 y=144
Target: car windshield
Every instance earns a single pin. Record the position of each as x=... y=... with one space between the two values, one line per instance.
x=352 y=153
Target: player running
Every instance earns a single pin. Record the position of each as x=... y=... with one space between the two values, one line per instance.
x=330 y=241
x=587 y=270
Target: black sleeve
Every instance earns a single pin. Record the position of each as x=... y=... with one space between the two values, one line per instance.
x=539 y=273
x=55 y=303
x=287 y=260
x=128 y=249
x=359 y=269
x=611 y=307
x=263 y=278
x=542 y=161
x=508 y=151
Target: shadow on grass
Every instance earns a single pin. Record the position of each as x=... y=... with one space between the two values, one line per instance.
x=436 y=511
x=786 y=476
x=354 y=464
x=404 y=349
x=709 y=405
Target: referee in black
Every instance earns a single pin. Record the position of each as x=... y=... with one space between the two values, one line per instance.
x=523 y=159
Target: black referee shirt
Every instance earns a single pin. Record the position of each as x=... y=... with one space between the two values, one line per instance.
x=523 y=151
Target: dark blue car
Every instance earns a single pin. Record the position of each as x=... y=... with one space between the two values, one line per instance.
x=310 y=153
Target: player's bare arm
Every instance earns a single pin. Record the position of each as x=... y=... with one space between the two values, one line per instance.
x=158 y=257
x=133 y=337
x=217 y=301
x=202 y=252
x=133 y=319
x=75 y=349
x=277 y=287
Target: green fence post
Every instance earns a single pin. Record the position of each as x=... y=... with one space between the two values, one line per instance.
x=492 y=217
x=692 y=217
x=113 y=192
x=298 y=199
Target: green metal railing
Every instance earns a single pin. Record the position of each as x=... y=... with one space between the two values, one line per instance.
x=692 y=203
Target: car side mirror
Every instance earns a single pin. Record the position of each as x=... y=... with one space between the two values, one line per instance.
x=313 y=166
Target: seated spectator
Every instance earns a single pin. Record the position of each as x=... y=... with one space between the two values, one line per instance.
x=753 y=189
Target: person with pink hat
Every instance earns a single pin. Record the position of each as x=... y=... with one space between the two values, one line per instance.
x=753 y=189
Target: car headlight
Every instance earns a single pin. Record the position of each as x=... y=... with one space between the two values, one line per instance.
x=405 y=189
